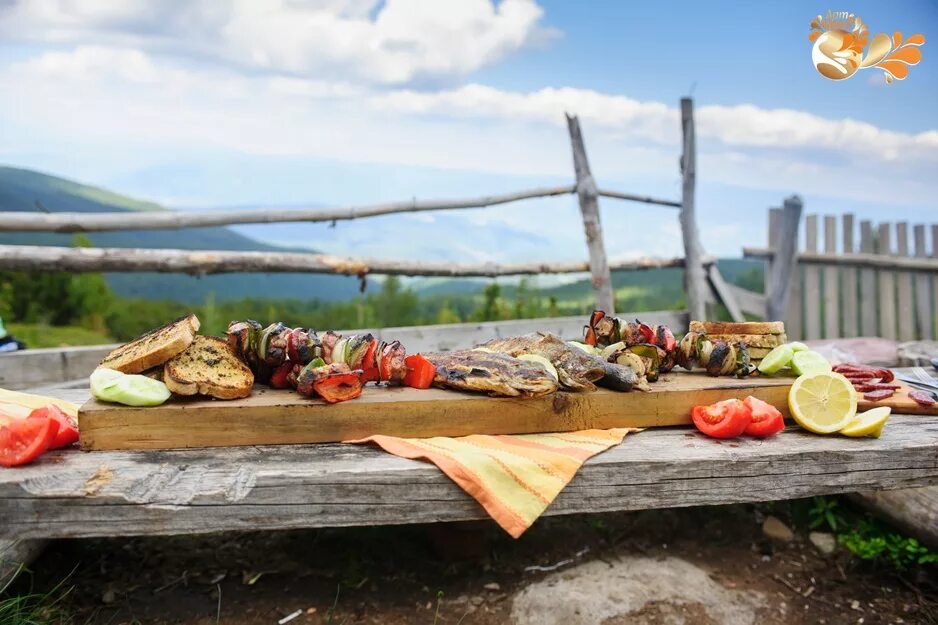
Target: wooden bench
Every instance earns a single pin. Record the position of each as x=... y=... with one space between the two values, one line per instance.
x=71 y=494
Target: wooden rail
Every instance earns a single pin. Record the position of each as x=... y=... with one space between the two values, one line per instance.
x=107 y=259
x=887 y=287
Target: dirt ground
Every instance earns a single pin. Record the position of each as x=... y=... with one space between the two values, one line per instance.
x=471 y=574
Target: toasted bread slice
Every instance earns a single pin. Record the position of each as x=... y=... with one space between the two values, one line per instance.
x=748 y=327
x=155 y=347
x=752 y=340
x=208 y=367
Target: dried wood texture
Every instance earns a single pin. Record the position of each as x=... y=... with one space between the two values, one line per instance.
x=589 y=208
x=636 y=198
x=786 y=279
x=831 y=282
x=868 y=315
x=887 y=286
x=904 y=304
x=775 y=224
x=923 y=302
x=894 y=263
x=16 y=555
x=71 y=494
x=849 y=283
x=913 y=510
x=74 y=259
x=695 y=278
x=171 y=220
x=934 y=278
x=812 y=283
x=724 y=293
x=285 y=417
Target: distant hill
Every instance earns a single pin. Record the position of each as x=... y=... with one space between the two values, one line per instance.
x=31 y=191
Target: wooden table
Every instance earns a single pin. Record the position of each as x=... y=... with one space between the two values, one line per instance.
x=75 y=494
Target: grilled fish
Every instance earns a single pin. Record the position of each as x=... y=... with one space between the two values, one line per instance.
x=492 y=373
x=576 y=369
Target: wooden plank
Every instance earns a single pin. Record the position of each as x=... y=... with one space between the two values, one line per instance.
x=70 y=494
x=887 y=285
x=812 y=284
x=589 y=210
x=775 y=224
x=848 y=276
x=904 y=303
x=695 y=280
x=831 y=285
x=35 y=367
x=934 y=278
x=869 y=261
x=923 y=300
x=284 y=417
x=752 y=303
x=725 y=295
x=784 y=300
x=632 y=197
x=868 y=312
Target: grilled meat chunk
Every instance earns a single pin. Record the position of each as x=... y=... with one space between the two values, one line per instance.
x=492 y=373
x=577 y=369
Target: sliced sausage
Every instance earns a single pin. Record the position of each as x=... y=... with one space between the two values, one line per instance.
x=922 y=398
x=878 y=395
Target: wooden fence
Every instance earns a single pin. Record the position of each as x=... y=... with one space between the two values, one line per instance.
x=702 y=279
x=853 y=279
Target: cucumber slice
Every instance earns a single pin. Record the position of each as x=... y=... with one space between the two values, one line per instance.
x=809 y=363
x=609 y=350
x=130 y=390
x=797 y=346
x=776 y=359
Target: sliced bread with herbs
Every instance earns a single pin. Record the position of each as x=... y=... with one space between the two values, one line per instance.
x=153 y=348
x=208 y=367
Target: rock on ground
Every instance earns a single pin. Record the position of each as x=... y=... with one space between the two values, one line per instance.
x=634 y=590
x=824 y=542
x=774 y=529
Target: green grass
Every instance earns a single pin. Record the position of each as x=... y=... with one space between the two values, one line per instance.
x=37 y=335
x=35 y=608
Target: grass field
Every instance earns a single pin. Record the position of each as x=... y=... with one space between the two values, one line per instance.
x=40 y=335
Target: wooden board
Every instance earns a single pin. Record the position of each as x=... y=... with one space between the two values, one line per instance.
x=900 y=403
x=273 y=417
x=280 y=417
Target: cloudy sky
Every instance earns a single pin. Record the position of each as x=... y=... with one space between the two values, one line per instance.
x=283 y=102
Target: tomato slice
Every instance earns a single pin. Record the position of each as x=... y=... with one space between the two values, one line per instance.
x=68 y=426
x=724 y=419
x=279 y=378
x=766 y=418
x=420 y=372
x=24 y=440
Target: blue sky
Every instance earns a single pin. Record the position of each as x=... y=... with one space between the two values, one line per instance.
x=353 y=101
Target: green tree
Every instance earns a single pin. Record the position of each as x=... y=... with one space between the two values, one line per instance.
x=446 y=314
x=491 y=306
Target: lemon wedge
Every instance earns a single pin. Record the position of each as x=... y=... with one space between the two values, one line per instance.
x=869 y=423
x=822 y=402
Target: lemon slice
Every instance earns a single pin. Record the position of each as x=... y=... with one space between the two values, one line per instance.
x=548 y=366
x=822 y=402
x=869 y=423
x=776 y=359
x=803 y=363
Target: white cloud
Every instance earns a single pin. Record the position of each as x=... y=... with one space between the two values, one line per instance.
x=390 y=42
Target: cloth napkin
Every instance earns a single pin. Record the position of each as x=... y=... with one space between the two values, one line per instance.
x=514 y=477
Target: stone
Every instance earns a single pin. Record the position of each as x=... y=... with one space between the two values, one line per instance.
x=493 y=586
x=618 y=591
x=774 y=529
x=477 y=601
x=824 y=542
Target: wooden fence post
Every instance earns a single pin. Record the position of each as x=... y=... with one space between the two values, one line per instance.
x=923 y=318
x=785 y=263
x=831 y=282
x=868 y=315
x=775 y=220
x=812 y=283
x=905 y=305
x=695 y=280
x=589 y=207
x=887 y=286
x=849 y=281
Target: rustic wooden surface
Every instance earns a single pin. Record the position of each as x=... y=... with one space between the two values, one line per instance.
x=283 y=417
x=73 y=494
x=913 y=510
x=16 y=555
x=695 y=278
x=784 y=300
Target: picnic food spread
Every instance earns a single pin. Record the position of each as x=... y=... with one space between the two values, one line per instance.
x=619 y=355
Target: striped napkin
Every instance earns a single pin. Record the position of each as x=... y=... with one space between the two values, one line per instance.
x=514 y=477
